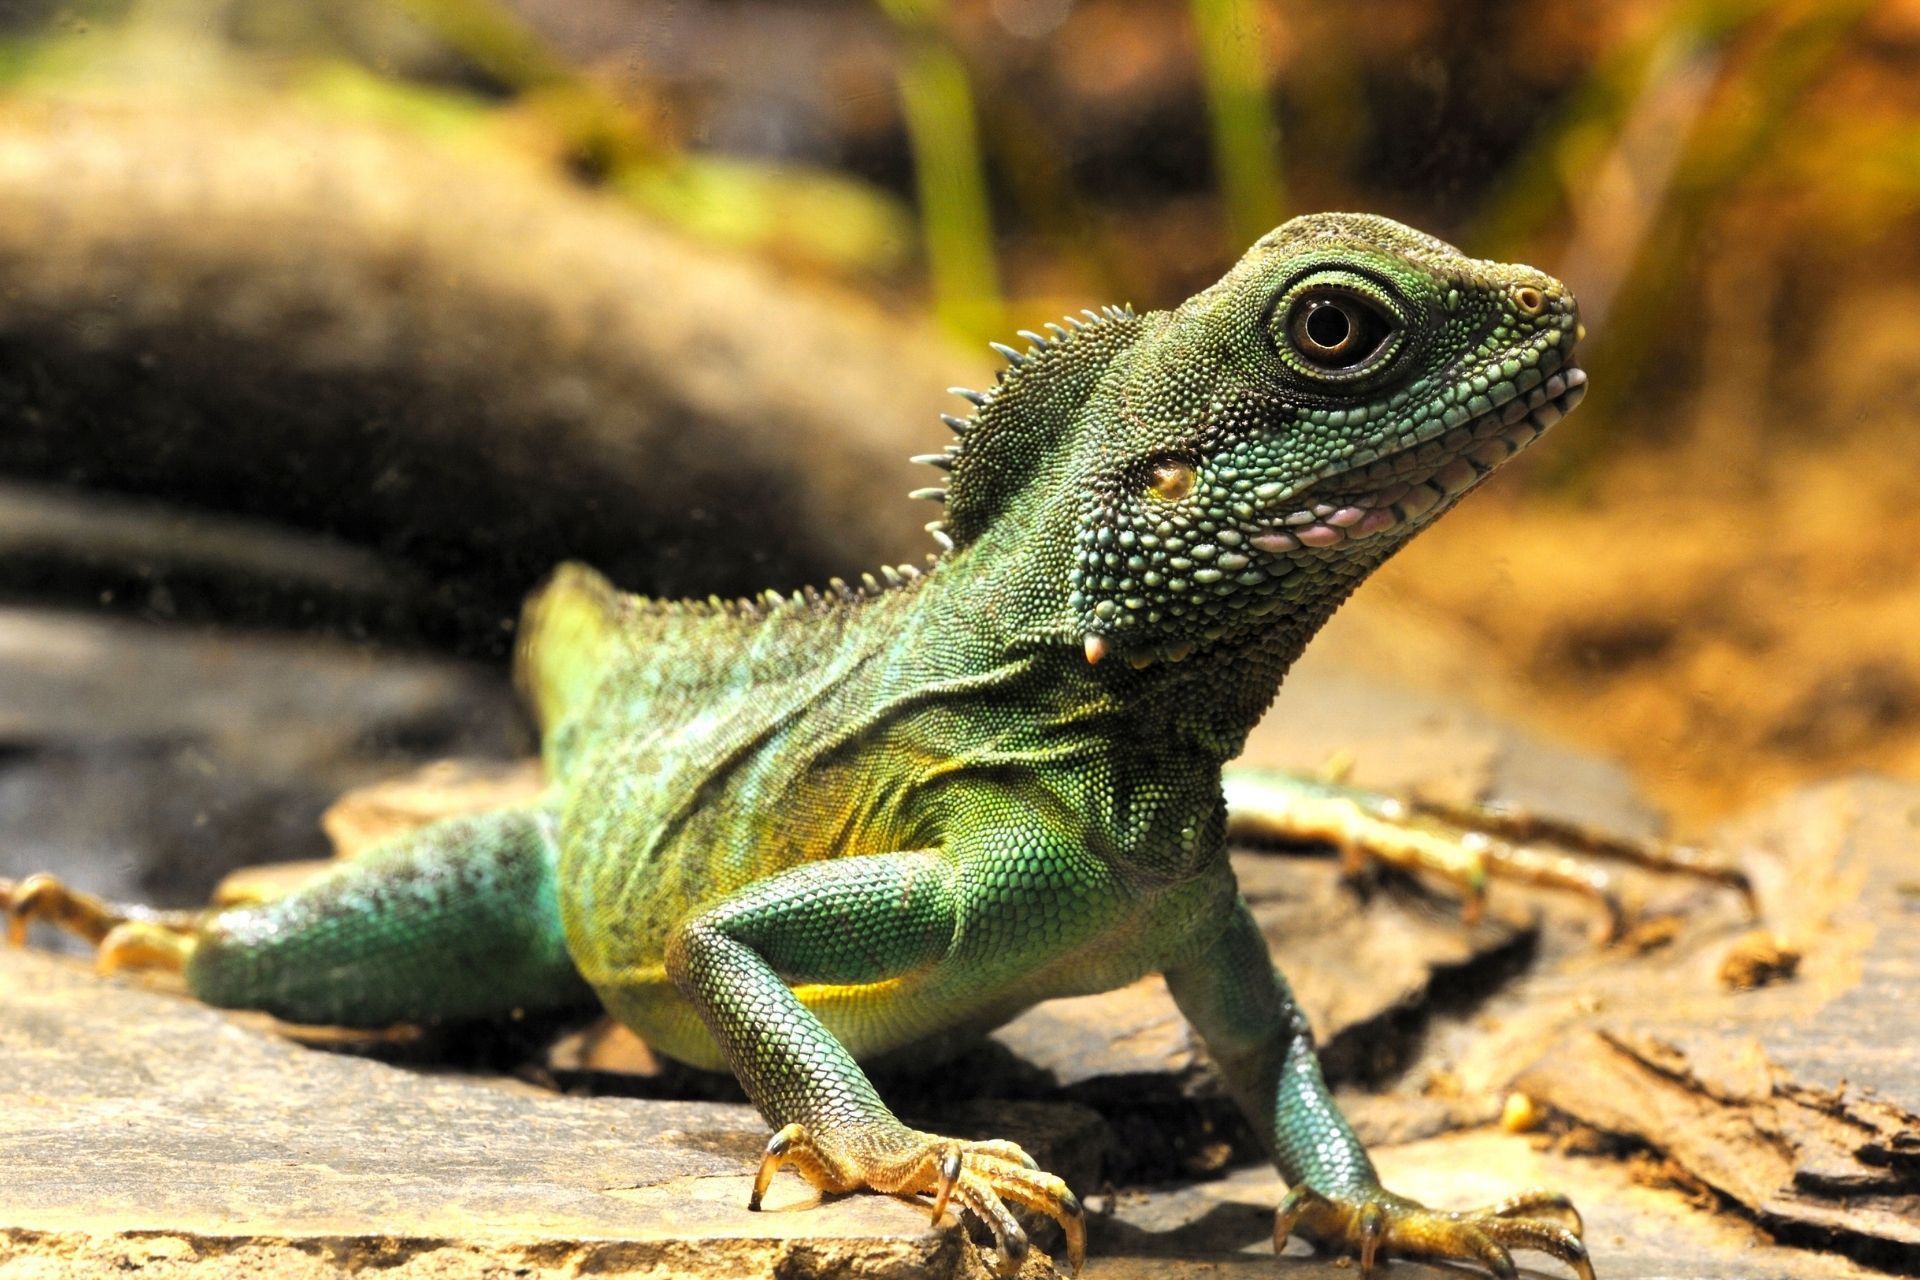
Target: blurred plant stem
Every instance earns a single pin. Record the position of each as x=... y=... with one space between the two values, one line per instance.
x=787 y=212
x=605 y=136
x=936 y=102
x=1246 y=136
x=1039 y=184
x=1663 y=132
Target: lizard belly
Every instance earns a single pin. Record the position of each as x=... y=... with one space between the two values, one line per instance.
x=871 y=1019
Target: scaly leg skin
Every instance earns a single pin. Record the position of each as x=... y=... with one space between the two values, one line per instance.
x=455 y=920
x=1245 y=1012
x=849 y=921
x=1468 y=847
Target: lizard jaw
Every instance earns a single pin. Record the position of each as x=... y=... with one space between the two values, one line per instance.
x=1467 y=454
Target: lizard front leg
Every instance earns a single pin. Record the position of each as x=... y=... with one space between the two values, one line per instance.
x=868 y=920
x=1242 y=1008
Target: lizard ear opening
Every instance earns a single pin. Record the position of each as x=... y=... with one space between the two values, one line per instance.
x=1170 y=478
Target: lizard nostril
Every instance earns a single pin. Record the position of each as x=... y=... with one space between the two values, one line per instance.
x=1530 y=300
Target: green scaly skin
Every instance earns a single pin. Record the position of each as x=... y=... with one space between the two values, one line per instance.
x=786 y=835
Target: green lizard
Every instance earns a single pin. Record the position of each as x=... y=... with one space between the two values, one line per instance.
x=784 y=835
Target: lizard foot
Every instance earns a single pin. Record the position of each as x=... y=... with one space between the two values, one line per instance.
x=1375 y=1221
x=123 y=937
x=1469 y=847
x=978 y=1176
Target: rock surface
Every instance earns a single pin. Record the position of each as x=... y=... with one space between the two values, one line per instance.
x=1798 y=1100
x=141 y=1127
x=1638 y=1227
x=220 y=300
x=140 y=1130
x=145 y=761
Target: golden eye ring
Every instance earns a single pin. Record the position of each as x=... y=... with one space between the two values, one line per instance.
x=1170 y=479
x=1335 y=332
x=1530 y=301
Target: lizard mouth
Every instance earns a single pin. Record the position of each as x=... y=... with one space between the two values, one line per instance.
x=1402 y=487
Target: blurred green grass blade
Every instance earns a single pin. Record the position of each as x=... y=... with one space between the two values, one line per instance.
x=496 y=39
x=1246 y=135
x=784 y=212
x=936 y=102
x=1574 y=141
x=1752 y=112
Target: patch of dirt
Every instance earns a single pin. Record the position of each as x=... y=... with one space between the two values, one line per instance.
x=1728 y=641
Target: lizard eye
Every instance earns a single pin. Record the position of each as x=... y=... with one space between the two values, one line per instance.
x=1337 y=332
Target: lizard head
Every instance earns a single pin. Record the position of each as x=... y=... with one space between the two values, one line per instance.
x=1257 y=451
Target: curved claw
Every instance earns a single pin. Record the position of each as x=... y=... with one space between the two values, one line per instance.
x=1375 y=1222
x=1537 y=1200
x=1371 y=1228
x=124 y=936
x=949 y=1179
x=45 y=897
x=1548 y=1237
x=979 y=1177
x=1298 y=1199
x=1010 y=1241
x=1490 y=1253
x=778 y=1148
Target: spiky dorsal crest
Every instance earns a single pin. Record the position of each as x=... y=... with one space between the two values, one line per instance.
x=811 y=599
x=1000 y=444
x=1003 y=438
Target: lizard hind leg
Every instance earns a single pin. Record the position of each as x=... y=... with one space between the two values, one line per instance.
x=124 y=936
x=458 y=919
x=455 y=920
x=1468 y=847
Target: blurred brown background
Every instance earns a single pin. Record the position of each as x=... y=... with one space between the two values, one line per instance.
x=326 y=328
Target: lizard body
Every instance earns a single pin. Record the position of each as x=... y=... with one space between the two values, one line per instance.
x=784 y=835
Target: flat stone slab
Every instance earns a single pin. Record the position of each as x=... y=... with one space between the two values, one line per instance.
x=1789 y=1095
x=1636 y=1227
x=141 y=1131
x=142 y=1127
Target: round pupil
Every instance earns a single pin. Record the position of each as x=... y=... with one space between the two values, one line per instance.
x=1328 y=325
x=1337 y=332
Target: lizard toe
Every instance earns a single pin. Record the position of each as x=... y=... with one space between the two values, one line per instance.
x=980 y=1178
x=1374 y=1223
x=985 y=1177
